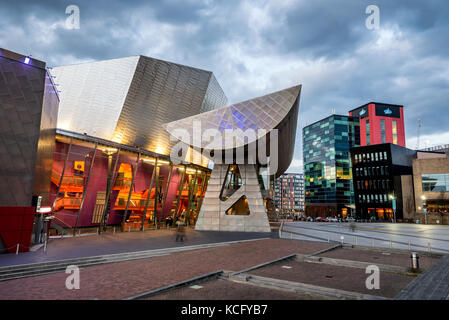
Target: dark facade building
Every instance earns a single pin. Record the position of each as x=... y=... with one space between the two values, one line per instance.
x=383 y=180
x=28 y=116
x=380 y=123
x=289 y=193
x=327 y=165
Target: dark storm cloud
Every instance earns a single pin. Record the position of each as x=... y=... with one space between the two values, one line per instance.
x=255 y=47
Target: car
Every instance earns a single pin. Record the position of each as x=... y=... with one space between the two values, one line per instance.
x=310 y=219
x=332 y=219
x=350 y=220
x=320 y=219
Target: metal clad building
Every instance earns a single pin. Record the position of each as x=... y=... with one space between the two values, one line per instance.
x=28 y=115
x=127 y=100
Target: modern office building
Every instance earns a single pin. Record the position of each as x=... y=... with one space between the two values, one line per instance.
x=380 y=123
x=431 y=187
x=239 y=188
x=383 y=182
x=289 y=193
x=327 y=165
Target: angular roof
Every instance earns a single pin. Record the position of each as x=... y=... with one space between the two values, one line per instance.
x=265 y=112
x=277 y=110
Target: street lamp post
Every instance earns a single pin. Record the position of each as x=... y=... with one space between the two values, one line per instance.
x=424 y=207
x=393 y=204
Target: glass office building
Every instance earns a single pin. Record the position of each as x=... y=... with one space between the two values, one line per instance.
x=327 y=165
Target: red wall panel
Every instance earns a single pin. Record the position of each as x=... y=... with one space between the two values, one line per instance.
x=16 y=226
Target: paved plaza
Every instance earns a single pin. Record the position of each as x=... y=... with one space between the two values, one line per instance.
x=418 y=237
x=120 y=242
x=240 y=266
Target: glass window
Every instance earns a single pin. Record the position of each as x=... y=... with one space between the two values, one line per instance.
x=395 y=131
x=383 y=136
x=367 y=133
x=435 y=182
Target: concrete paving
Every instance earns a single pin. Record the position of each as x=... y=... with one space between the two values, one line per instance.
x=433 y=238
x=129 y=278
x=431 y=285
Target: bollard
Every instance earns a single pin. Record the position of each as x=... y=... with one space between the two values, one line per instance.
x=45 y=246
x=62 y=235
x=428 y=245
x=415 y=261
x=372 y=243
x=129 y=229
x=409 y=245
x=356 y=241
x=342 y=240
x=79 y=232
x=17 y=249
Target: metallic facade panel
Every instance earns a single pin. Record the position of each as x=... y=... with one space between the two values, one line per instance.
x=46 y=143
x=128 y=100
x=92 y=95
x=278 y=110
x=265 y=112
x=27 y=114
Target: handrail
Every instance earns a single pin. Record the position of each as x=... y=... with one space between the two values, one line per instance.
x=55 y=217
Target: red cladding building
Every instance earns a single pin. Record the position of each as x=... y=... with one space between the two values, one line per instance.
x=380 y=123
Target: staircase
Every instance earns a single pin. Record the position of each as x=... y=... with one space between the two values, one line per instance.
x=58 y=224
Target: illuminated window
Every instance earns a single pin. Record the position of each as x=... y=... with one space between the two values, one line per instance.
x=395 y=132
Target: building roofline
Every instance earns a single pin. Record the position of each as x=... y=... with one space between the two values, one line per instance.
x=108 y=143
x=332 y=115
x=133 y=56
x=11 y=55
x=373 y=102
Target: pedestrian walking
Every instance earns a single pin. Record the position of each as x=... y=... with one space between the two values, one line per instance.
x=180 y=231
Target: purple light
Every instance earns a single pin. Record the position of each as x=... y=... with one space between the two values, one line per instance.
x=27 y=60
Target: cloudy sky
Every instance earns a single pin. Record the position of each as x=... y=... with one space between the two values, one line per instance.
x=256 y=47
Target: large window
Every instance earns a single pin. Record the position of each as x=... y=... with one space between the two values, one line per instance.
x=395 y=131
x=383 y=136
x=367 y=133
x=435 y=182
